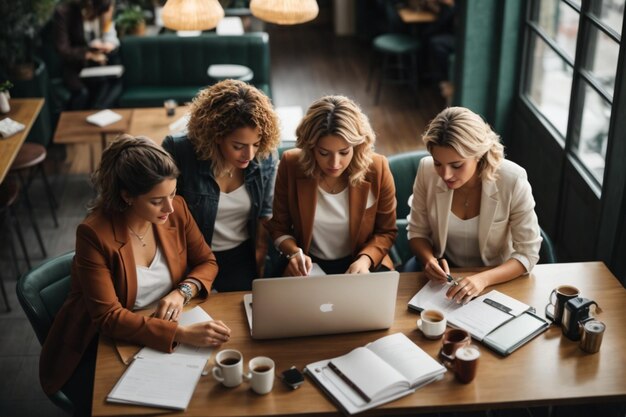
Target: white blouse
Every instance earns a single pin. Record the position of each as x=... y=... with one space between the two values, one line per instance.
x=331 y=229
x=153 y=282
x=462 y=247
x=231 y=222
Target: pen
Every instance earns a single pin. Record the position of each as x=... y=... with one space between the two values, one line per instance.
x=451 y=279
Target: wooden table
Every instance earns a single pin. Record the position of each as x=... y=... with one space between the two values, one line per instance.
x=410 y=15
x=73 y=129
x=550 y=369
x=25 y=111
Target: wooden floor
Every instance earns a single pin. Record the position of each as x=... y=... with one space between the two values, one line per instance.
x=307 y=63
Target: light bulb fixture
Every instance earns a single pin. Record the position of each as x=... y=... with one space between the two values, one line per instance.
x=284 y=12
x=192 y=14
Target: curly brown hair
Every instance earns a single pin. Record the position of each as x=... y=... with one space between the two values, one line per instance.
x=222 y=108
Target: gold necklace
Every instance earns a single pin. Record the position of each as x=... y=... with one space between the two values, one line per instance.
x=140 y=236
x=332 y=188
x=228 y=172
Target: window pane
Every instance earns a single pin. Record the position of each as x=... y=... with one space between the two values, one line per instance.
x=604 y=65
x=610 y=12
x=594 y=130
x=560 y=22
x=550 y=84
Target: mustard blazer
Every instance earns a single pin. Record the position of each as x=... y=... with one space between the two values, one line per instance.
x=104 y=288
x=507 y=226
x=372 y=229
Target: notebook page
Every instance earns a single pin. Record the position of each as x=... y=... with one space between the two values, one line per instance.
x=406 y=357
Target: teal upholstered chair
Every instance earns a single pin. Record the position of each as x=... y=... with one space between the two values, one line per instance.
x=41 y=292
x=403 y=168
x=547 y=253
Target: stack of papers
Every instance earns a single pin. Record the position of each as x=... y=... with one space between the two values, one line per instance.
x=102 y=71
x=104 y=118
x=9 y=127
x=166 y=380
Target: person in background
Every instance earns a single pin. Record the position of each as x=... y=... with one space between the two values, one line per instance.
x=471 y=207
x=84 y=35
x=334 y=201
x=227 y=176
x=139 y=247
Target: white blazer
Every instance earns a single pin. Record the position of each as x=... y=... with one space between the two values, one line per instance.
x=507 y=224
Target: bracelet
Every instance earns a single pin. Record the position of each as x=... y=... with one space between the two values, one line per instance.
x=293 y=255
x=186 y=291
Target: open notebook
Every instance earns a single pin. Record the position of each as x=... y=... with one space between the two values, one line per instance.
x=314 y=305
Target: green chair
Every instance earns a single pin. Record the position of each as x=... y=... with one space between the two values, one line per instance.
x=547 y=253
x=41 y=293
x=403 y=168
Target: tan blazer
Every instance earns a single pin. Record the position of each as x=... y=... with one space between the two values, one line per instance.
x=372 y=229
x=104 y=288
x=507 y=227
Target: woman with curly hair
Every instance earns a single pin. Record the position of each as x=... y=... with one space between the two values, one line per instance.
x=334 y=202
x=227 y=176
x=471 y=207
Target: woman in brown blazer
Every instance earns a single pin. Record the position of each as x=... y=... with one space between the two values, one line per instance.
x=139 y=247
x=334 y=198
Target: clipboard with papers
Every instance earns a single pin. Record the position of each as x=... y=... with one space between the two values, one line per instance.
x=499 y=321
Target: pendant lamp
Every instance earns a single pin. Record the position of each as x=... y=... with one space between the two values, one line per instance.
x=192 y=14
x=284 y=12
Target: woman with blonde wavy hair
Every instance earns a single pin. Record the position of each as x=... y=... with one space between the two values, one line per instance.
x=227 y=176
x=334 y=201
x=471 y=207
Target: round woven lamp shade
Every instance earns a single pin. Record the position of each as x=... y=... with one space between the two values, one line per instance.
x=284 y=12
x=192 y=14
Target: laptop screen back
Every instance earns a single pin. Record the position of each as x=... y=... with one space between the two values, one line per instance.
x=304 y=306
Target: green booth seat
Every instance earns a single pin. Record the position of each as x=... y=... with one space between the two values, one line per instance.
x=167 y=66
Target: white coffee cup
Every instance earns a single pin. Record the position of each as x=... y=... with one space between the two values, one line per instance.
x=261 y=374
x=432 y=323
x=228 y=367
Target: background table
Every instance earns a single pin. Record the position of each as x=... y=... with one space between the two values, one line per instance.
x=550 y=369
x=25 y=111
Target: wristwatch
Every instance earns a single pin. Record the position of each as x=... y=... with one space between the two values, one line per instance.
x=186 y=291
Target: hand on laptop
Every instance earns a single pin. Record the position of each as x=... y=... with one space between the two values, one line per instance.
x=205 y=334
x=299 y=265
x=360 y=266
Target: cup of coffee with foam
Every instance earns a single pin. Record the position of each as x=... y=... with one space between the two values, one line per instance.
x=465 y=363
x=432 y=323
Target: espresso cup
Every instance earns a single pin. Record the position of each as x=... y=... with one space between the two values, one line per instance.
x=261 y=374
x=170 y=107
x=465 y=363
x=228 y=367
x=432 y=323
x=453 y=339
x=558 y=297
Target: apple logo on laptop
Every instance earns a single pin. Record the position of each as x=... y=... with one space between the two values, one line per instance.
x=326 y=308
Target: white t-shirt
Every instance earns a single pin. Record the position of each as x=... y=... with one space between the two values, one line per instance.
x=231 y=222
x=462 y=243
x=331 y=229
x=153 y=282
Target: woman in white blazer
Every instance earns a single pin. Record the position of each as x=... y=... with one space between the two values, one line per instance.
x=471 y=207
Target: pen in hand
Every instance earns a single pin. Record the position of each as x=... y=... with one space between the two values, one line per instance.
x=451 y=279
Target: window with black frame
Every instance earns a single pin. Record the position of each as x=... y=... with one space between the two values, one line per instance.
x=571 y=56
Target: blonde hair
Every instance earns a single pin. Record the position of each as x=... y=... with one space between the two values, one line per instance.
x=131 y=164
x=467 y=133
x=219 y=110
x=340 y=116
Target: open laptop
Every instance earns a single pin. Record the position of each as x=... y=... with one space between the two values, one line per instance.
x=315 y=305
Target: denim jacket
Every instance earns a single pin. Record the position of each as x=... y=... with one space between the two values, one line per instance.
x=198 y=187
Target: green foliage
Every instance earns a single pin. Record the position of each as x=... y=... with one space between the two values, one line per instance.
x=20 y=23
x=5 y=86
x=128 y=19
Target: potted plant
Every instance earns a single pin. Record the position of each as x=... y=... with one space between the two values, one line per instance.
x=20 y=23
x=5 y=107
x=130 y=21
